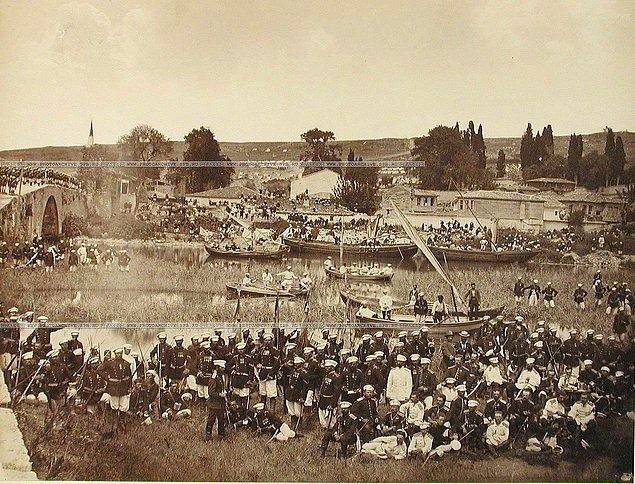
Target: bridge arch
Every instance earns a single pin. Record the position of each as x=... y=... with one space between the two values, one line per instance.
x=50 y=219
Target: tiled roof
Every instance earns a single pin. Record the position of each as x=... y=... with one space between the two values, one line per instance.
x=551 y=180
x=588 y=197
x=501 y=195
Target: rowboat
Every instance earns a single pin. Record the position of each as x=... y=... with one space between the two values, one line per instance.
x=248 y=254
x=263 y=291
x=395 y=251
x=470 y=255
x=349 y=297
x=333 y=272
x=406 y=322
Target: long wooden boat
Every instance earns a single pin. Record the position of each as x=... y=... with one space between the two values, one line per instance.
x=396 y=251
x=349 y=297
x=263 y=291
x=406 y=322
x=466 y=255
x=248 y=254
x=333 y=272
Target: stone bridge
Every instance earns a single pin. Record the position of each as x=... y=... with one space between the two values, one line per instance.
x=40 y=209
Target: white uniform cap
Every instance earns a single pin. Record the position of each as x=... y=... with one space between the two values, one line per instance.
x=493 y=359
x=395 y=403
x=308 y=350
x=345 y=404
x=379 y=354
x=215 y=338
x=402 y=334
x=605 y=368
x=425 y=360
x=415 y=356
x=52 y=353
x=331 y=363
x=42 y=319
x=178 y=337
x=127 y=346
x=259 y=406
x=78 y=352
x=399 y=344
x=529 y=361
x=415 y=333
x=162 y=335
x=450 y=380
x=472 y=403
x=352 y=359
x=402 y=358
x=369 y=388
x=461 y=388
x=366 y=337
x=588 y=362
x=14 y=310
x=465 y=334
x=205 y=344
x=379 y=334
x=370 y=357
x=268 y=336
x=220 y=363
x=298 y=360
x=74 y=333
x=241 y=346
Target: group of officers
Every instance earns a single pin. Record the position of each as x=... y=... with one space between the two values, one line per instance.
x=500 y=387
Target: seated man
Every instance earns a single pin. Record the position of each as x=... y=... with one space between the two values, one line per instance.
x=344 y=431
x=393 y=420
x=583 y=415
x=554 y=411
x=265 y=422
x=392 y=446
x=421 y=443
x=497 y=434
x=413 y=412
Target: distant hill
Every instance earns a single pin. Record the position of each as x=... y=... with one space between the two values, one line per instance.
x=370 y=149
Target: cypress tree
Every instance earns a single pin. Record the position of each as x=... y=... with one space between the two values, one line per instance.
x=351 y=155
x=500 y=164
x=609 y=151
x=620 y=159
x=573 y=161
x=527 y=148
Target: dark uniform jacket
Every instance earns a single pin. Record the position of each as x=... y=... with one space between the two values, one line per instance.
x=118 y=375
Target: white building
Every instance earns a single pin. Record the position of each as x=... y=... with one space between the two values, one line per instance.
x=322 y=182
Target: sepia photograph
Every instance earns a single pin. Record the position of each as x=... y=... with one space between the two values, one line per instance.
x=325 y=241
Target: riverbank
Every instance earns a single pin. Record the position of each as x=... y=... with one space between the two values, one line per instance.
x=81 y=447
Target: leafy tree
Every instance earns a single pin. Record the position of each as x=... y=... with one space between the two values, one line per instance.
x=446 y=157
x=145 y=143
x=320 y=147
x=357 y=189
x=576 y=218
x=593 y=170
x=202 y=146
x=553 y=167
x=500 y=164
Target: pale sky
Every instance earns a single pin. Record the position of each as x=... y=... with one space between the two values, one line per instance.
x=269 y=70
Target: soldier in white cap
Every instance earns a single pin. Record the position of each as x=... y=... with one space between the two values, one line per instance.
x=351 y=380
x=497 y=434
x=265 y=422
x=216 y=401
x=267 y=361
x=287 y=278
x=529 y=378
x=119 y=382
x=241 y=371
x=296 y=390
x=160 y=355
x=328 y=394
x=344 y=431
x=365 y=409
x=549 y=296
x=421 y=442
x=399 y=384
x=385 y=304
x=472 y=427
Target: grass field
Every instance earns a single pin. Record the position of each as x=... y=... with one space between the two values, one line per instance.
x=83 y=448
x=160 y=290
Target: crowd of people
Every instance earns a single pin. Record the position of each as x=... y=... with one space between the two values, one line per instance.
x=504 y=386
x=10 y=179
x=39 y=253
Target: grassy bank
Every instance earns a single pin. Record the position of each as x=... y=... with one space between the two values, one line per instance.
x=164 y=290
x=82 y=448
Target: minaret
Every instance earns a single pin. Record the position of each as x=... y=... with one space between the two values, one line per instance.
x=91 y=138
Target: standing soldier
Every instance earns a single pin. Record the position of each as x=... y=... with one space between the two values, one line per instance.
x=93 y=385
x=365 y=409
x=56 y=378
x=473 y=298
x=351 y=379
x=448 y=352
x=519 y=289
x=533 y=293
x=241 y=371
x=578 y=297
x=296 y=390
x=123 y=260
x=216 y=401
x=549 y=295
x=329 y=394
x=204 y=371
x=160 y=355
x=267 y=361
x=177 y=362
x=119 y=381
x=399 y=385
